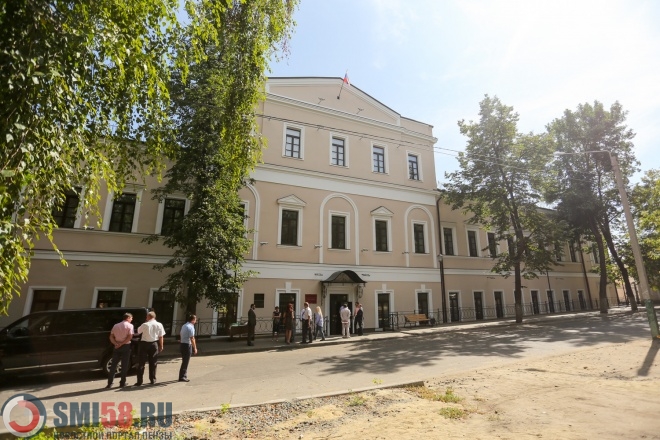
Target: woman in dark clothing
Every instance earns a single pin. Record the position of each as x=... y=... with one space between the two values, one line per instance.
x=288 y=323
x=276 y=323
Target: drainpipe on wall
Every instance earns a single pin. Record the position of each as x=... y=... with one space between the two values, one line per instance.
x=441 y=263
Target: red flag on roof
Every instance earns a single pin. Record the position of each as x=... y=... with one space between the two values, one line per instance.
x=346 y=81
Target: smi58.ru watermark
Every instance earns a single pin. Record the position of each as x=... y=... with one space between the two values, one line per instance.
x=24 y=415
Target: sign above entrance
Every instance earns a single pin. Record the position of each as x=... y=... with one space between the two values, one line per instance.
x=311 y=298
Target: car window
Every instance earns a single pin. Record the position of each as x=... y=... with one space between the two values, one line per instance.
x=31 y=326
x=78 y=322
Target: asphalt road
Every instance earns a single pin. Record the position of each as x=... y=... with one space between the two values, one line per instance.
x=359 y=363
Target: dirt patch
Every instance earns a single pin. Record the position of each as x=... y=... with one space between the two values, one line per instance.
x=609 y=392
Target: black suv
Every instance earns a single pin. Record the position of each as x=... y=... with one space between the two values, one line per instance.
x=62 y=339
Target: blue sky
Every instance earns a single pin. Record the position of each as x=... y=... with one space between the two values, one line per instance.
x=434 y=60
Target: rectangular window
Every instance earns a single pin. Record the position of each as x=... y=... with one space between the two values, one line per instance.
x=65 y=214
x=594 y=251
x=512 y=248
x=43 y=300
x=123 y=209
x=109 y=298
x=413 y=167
x=259 y=300
x=571 y=249
x=379 y=159
x=381 y=236
x=492 y=245
x=338 y=152
x=558 y=252
x=449 y=241
x=289 y=227
x=418 y=231
x=338 y=232
x=292 y=147
x=173 y=212
x=472 y=243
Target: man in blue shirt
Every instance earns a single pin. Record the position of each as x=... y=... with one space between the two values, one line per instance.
x=188 y=346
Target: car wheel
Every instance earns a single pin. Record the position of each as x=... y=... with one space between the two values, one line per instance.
x=106 y=363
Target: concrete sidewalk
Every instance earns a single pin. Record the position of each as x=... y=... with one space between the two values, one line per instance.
x=219 y=345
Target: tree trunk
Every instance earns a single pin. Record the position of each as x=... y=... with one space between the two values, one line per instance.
x=517 y=294
x=622 y=268
x=602 y=288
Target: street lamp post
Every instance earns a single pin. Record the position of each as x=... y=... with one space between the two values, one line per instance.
x=441 y=263
x=634 y=244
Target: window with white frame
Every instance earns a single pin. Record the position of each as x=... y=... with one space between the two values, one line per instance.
x=109 y=298
x=338 y=151
x=473 y=246
x=65 y=213
x=413 y=167
x=378 y=154
x=45 y=299
x=290 y=221
x=382 y=235
x=382 y=229
x=173 y=212
x=338 y=235
x=448 y=238
x=419 y=237
x=123 y=212
x=293 y=143
x=289 y=231
x=571 y=250
x=492 y=245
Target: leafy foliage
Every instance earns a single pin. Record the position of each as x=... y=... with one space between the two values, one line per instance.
x=218 y=145
x=645 y=200
x=86 y=102
x=584 y=188
x=496 y=187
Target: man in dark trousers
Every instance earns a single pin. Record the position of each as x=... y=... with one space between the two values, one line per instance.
x=252 y=323
x=121 y=336
x=150 y=345
x=188 y=346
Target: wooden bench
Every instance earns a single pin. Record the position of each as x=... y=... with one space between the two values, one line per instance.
x=237 y=329
x=414 y=319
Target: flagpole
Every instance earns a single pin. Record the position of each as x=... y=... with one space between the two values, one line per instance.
x=342 y=84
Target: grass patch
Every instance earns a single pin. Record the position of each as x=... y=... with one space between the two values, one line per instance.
x=430 y=394
x=451 y=412
x=377 y=381
x=357 y=400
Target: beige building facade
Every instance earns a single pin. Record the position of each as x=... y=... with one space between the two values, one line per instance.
x=342 y=209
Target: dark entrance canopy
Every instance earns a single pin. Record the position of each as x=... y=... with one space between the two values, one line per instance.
x=344 y=277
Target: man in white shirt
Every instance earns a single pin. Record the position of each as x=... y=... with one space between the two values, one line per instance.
x=306 y=319
x=150 y=345
x=345 y=316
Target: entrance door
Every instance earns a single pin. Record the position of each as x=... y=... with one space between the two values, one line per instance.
x=551 y=301
x=567 y=300
x=535 y=302
x=163 y=305
x=583 y=304
x=499 y=305
x=336 y=301
x=478 y=305
x=423 y=303
x=384 y=311
x=454 y=311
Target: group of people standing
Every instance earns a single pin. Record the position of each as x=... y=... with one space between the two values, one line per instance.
x=150 y=346
x=313 y=323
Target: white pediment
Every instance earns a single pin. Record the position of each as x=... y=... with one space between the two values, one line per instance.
x=382 y=212
x=329 y=95
x=291 y=200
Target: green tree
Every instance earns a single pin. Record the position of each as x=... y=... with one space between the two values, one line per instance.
x=218 y=144
x=495 y=186
x=645 y=202
x=86 y=102
x=584 y=187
